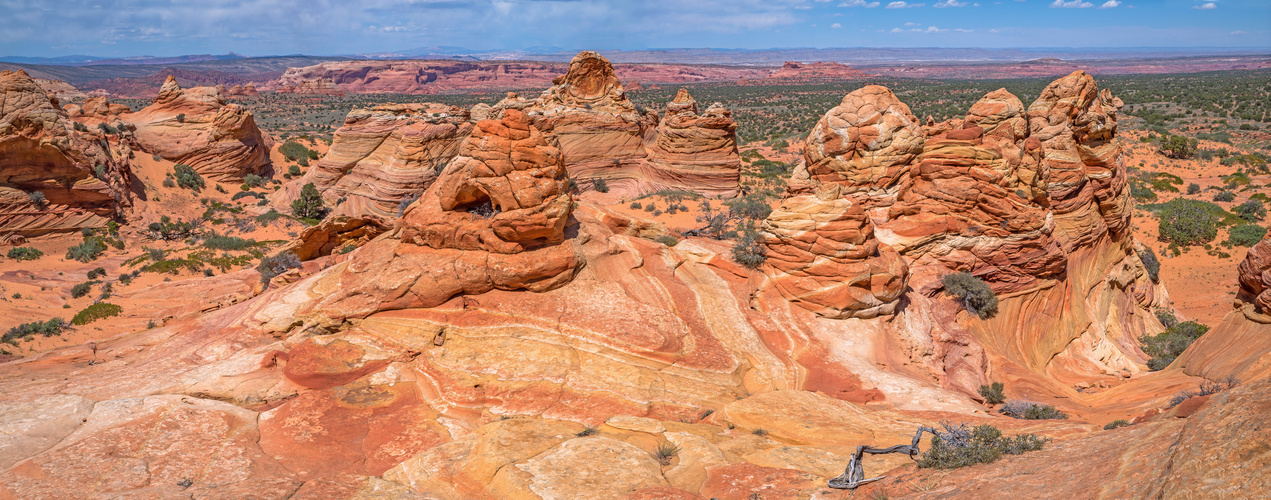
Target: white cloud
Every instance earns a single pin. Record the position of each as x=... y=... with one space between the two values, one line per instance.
x=1110 y=4
x=949 y=3
x=897 y=30
x=859 y=3
x=1206 y=6
x=836 y=25
x=1071 y=4
x=932 y=29
x=904 y=5
x=1238 y=32
x=911 y=24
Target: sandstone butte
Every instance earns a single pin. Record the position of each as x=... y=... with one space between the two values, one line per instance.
x=196 y=127
x=384 y=157
x=505 y=340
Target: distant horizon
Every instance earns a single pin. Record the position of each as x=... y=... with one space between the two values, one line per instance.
x=552 y=51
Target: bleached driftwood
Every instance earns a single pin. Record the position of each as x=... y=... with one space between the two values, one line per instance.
x=854 y=475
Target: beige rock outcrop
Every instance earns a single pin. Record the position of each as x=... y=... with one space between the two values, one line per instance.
x=695 y=149
x=198 y=128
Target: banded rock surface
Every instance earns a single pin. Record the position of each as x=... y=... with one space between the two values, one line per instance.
x=81 y=173
x=198 y=128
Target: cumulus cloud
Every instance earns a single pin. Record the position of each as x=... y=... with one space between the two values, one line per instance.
x=1206 y=6
x=1071 y=4
x=836 y=25
x=949 y=3
x=904 y=5
x=1110 y=4
x=859 y=3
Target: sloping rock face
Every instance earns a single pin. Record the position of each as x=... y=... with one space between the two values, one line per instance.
x=1240 y=346
x=697 y=149
x=383 y=155
x=1029 y=201
x=82 y=174
x=197 y=128
x=1255 y=276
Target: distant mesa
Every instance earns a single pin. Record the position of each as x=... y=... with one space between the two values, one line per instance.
x=792 y=70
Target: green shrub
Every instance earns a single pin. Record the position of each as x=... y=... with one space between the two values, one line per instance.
x=748 y=251
x=1178 y=147
x=1166 y=317
x=751 y=206
x=253 y=180
x=294 y=170
x=87 y=251
x=1246 y=235
x=1187 y=222
x=187 y=178
x=100 y=310
x=48 y=328
x=600 y=185
x=1032 y=411
x=1164 y=347
x=957 y=446
x=1225 y=196
x=1115 y=424
x=1251 y=210
x=270 y=216
x=993 y=393
x=1151 y=263
x=24 y=253
x=219 y=242
x=309 y=204
x=168 y=229
x=1193 y=188
x=1140 y=191
x=976 y=296
x=293 y=151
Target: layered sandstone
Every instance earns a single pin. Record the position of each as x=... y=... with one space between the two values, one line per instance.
x=198 y=128
x=384 y=155
x=248 y=90
x=316 y=86
x=697 y=150
x=81 y=174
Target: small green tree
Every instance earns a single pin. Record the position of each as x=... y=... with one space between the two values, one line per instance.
x=309 y=205
x=1178 y=147
x=1251 y=210
x=1187 y=222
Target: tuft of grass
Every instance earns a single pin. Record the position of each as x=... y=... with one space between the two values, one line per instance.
x=665 y=452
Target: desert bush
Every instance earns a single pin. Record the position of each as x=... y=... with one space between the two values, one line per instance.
x=37 y=197
x=100 y=310
x=751 y=206
x=1167 y=345
x=1225 y=196
x=270 y=216
x=87 y=251
x=48 y=328
x=309 y=204
x=294 y=170
x=1026 y=410
x=1140 y=191
x=1251 y=210
x=600 y=185
x=1151 y=263
x=1246 y=235
x=246 y=194
x=993 y=393
x=253 y=180
x=187 y=178
x=1193 y=188
x=169 y=183
x=976 y=296
x=1187 y=222
x=168 y=229
x=24 y=253
x=97 y=273
x=1178 y=147
x=635 y=205
x=405 y=203
x=277 y=264
x=293 y=150
x=1166 y=317
x=221 y=242
x=667 y=240
x=748 y=251
x=1118 y=423
x=958 y=446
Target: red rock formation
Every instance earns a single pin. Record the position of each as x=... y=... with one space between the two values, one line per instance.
x=494 y=219
x=383 y=155
x=196 y=127
x=60 y=90
x=315 y=86
x=698 y=151
x=248 y=90
x=1255 y=276
x=823 y=256
x=1076 y=124
x=82 y=174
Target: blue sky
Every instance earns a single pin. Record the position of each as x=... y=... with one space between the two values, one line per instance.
x=328 y=27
